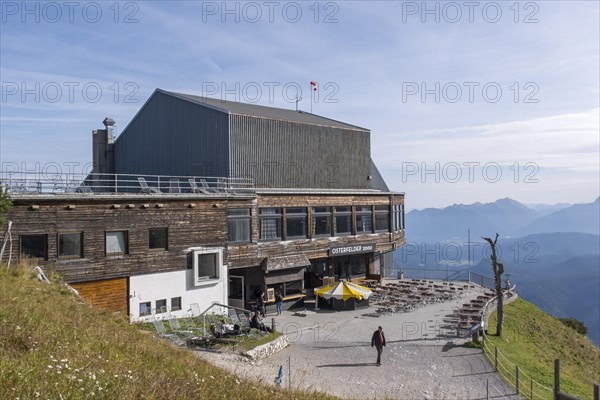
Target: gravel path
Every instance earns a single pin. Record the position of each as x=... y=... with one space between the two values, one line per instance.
x=331 y=352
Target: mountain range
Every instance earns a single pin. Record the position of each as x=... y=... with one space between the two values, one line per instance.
x=506 y=216
x=552 y=252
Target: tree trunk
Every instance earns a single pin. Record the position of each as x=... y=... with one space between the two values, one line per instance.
x=498 y=269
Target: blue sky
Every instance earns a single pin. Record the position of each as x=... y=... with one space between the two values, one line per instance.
x=497 y=99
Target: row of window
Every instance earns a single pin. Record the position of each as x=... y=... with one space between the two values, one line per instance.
x=160 y=306
x=70 y=245
x=324 y=221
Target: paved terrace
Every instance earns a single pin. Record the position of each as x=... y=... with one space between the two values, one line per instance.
x=424 y=359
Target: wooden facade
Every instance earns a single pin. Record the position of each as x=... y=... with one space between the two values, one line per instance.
x=190 y=221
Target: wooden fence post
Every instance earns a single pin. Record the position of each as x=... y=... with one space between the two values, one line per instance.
x=517 y=378
x=496 y=357
x=556 y=378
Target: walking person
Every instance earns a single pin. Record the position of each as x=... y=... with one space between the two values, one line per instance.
x=378 y=340
x=278 y=302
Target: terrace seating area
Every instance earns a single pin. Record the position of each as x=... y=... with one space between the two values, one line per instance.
x=198 y=331
x=408 y=294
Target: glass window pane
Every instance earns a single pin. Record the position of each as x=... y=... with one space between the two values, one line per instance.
x=161 y=305
x=270 y=211
x=295 y=210
x=363 y=209
x=381 y=222
x=238 y=211
x=69 y=245
x=175 y=303
x=157 y=238
x=291 y=288
x=116 y=242
x=363 y=223
x=270 y=228
x=343 y=224
x=207 y=266
x=381 y=208
x=343 y=209
x=296 y=226
x=238 y=225
x=34 y=246
x=321 y=225
x=321 y=210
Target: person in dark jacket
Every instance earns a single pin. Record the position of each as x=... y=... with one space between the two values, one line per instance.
x=378 y=340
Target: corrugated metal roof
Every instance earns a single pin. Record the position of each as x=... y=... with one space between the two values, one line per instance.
x=255 y=110
x=377 y=181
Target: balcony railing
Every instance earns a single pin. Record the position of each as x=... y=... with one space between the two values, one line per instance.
x=35 y=183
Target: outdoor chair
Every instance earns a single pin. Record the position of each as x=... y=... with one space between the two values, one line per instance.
x=160 y=329
x=177 y=329
x=84 y=189
x=195 y=188
x=147 y=189
x=195 y=310
x=165 y=312
x=191 y=325
x=205 y=186
x=233 y=316
x=174 y=186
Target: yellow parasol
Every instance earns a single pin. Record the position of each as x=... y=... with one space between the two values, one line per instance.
x=343 y=291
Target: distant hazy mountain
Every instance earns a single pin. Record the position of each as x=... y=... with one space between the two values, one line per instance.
x=559 y=272
x=545 y=209
x=563 y=288
x=506 y=216
x=577 y=218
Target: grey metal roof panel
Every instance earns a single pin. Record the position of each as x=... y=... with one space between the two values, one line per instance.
x=255 y=110
x=377 y=181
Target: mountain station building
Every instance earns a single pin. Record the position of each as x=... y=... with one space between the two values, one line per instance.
x=201 y=200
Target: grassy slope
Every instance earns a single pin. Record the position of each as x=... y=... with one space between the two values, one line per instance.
x=532 y=339
x=52 y=345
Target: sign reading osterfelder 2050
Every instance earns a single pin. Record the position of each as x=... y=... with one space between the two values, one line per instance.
x=360 y=248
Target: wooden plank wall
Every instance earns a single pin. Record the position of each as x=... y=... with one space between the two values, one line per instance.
x=109 y=294
x=204 y=224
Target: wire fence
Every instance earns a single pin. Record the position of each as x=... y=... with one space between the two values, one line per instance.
x=522 y=382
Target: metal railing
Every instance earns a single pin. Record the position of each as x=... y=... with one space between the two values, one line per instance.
x=32 y=183
x=448 y=275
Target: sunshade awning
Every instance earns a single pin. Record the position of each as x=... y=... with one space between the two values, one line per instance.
x=343 y=291
x=285 y=262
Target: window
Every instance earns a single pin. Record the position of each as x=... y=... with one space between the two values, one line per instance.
x=402 y=217
x=295 y=222
x=238 y=224
x=398 y=217
x=287 y=288
x=70 y=245
x=321 y=221
x=364 y=220
x=161 y=306
x=206 y=266
x=116 y=243
x=270 y=223
x=382 y=218
x=145 y=308
x=35 y=246
x=157 y=238
x=343 y=220
x=292 y=288
x=175 y=303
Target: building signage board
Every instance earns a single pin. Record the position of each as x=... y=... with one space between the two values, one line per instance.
x=353 y=249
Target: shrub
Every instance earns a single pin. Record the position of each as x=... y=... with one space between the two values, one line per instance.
x=575 y=324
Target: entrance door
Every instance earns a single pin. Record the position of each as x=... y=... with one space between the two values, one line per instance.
x=236 y=291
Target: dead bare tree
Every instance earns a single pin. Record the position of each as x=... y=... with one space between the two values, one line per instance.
x=498 y=269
